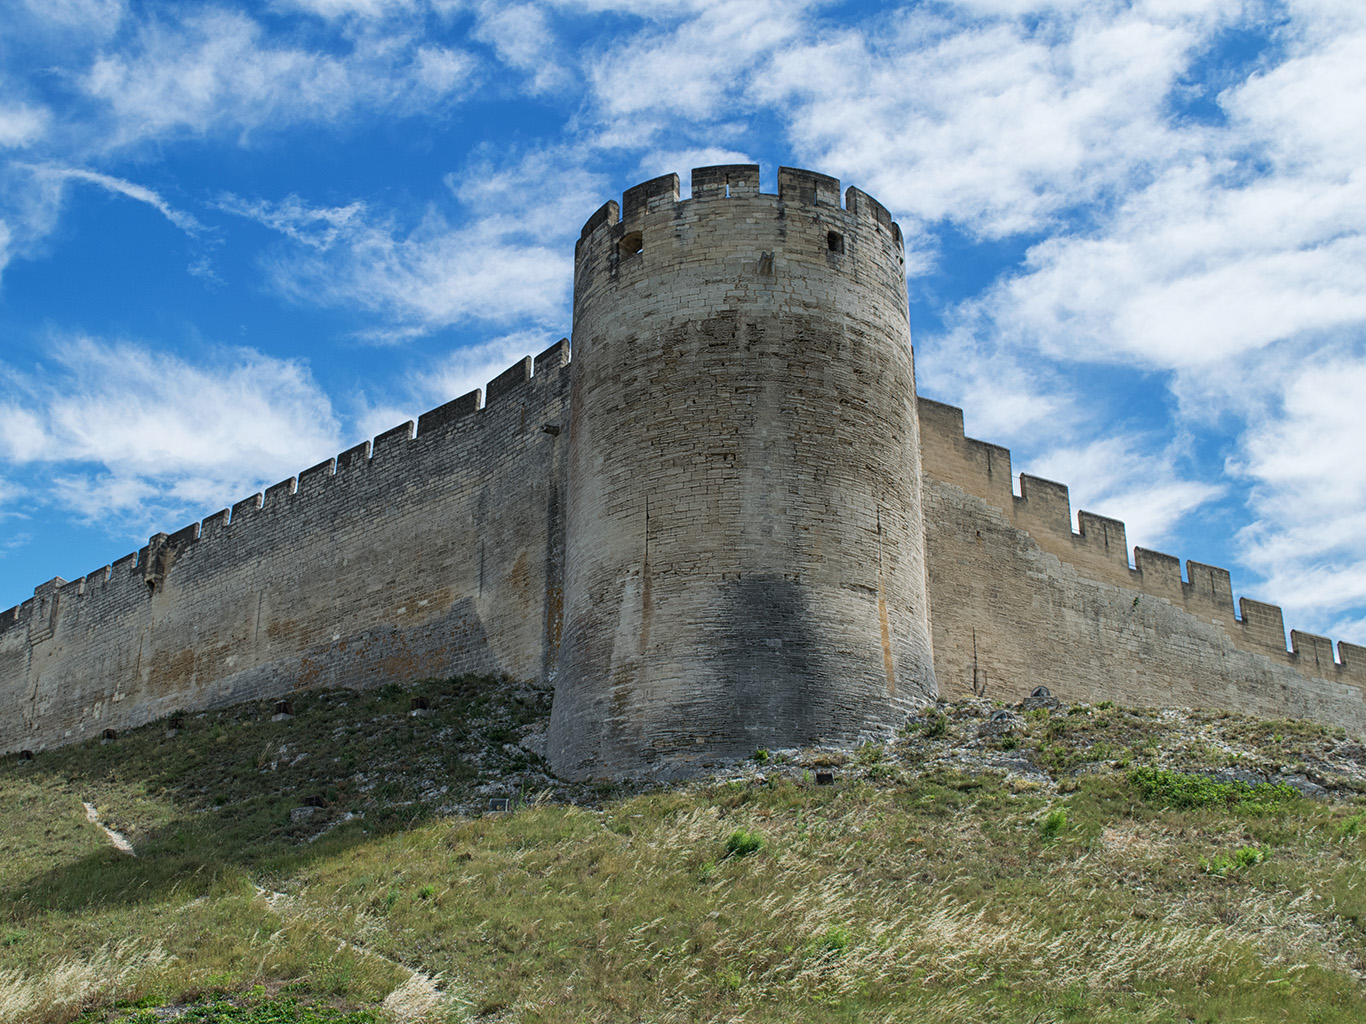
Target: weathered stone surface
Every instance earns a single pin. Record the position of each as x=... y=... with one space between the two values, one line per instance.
x=435 y=555
x=744 y=549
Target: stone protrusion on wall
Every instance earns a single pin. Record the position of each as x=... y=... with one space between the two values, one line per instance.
x=43 y=618
x=1044 y=503
x=246 y=508
x=800 y=186
x=213 y=526
x=444 y=415
x=1042 y=509
x=948 y=454
x=391 y=440
x=509 y=380
x=648 y=195
x=277 y=494
x=724 y=180
x=315 y=478
x=1316 y=651
x=1352 y=658
x=553 y=358
x=356 y=457
x=1104 y=541
x=861 y=204
x=608 y=213
x=1210 y=590
x=1160 y=574
x=1262 y=624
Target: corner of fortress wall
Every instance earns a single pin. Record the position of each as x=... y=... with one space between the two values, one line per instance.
x=1018 y=597
x=425 y=552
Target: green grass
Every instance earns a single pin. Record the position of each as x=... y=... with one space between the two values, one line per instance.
x=911 y=890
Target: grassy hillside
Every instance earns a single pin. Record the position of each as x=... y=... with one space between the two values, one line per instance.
x=1065 y=864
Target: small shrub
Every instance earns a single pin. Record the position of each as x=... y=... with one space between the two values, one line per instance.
x=426 y=892
x=1351 y=828
x=832 y=940
x=1053 y=823
x=1009 y=743
x=728 y=981
x=936 y=726
x=760 y=756
x=1182 y=790
x=742 y=843
x=1240 y=860
x=870 y=753
x=706 y=872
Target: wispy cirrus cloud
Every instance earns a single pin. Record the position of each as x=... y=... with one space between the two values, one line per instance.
x=119 y=186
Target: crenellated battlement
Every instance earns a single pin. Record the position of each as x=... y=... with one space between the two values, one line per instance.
x=796 y=187
x=1098 y=549
x=806 y=217
x=299 y=494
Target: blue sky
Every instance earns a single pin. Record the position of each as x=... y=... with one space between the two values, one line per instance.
x=238 y=238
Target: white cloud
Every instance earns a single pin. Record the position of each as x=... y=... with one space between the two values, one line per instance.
x=1000 y=124
x=433 y=275
x=96 y=19
x=218 y=70
x=689 y=69
x=521 y=36
x=509 y=258
x=135 y=437
x=1309 y=487
x=120 y=186
x=21 y=125
x=1009 y=394
x=334 y=9
x=317 y=227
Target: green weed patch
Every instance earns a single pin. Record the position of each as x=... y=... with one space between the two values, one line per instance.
x=1182 y=789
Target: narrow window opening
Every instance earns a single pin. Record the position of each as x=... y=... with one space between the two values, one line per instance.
x=632 y=245
x=25 y=755
x=834 y=241
x=109 y=736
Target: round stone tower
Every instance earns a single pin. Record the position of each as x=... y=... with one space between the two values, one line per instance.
x=744 y=552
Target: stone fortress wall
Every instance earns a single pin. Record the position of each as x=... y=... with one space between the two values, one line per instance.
x=730 y=506
x=416 y=556
x=1018 y=599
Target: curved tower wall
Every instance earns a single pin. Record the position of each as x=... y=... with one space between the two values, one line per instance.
x=744 y=561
